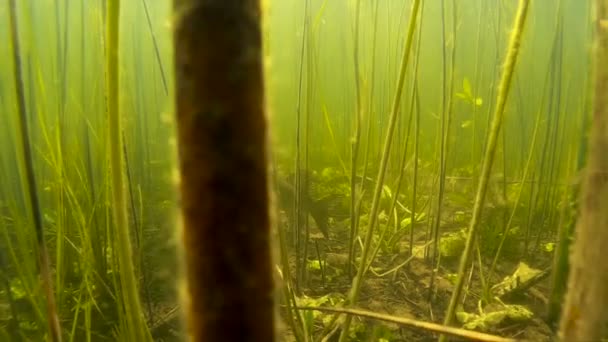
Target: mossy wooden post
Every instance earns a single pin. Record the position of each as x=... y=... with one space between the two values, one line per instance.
x=583 y=317
x=221 y=131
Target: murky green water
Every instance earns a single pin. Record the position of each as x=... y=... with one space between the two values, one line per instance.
x=332 y=70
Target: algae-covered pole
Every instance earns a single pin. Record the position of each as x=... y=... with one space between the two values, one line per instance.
x=221 y=131
x=501 y=100
x=44 y=264
x=583 y=317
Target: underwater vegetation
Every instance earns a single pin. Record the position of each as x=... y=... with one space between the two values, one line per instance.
x=303 y=170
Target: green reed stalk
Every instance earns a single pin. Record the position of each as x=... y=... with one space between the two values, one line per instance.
x=136 y=328
x=355 y=142
x=300 y=334
x=446 y=120
x=138 y=229
x=501 y=100
x=413 y=102
x=517 y=200
x=553 y=154
x=368 y=135
x=476 y=91
x=560 y=266
x=535 y=187
x=370 y=109
x=416 y=149
x=297 y=194
x=373 y=217
x=156 y=49
x=30 y=185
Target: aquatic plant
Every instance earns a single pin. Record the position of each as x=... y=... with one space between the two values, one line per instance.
x=135 y=326
x=503 y=92
x=356 y=286
x=30 y=182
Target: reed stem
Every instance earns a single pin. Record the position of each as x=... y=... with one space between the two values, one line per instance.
x=501 y=100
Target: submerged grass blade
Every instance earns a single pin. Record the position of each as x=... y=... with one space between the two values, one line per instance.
x=30 y=185
x=333 y=138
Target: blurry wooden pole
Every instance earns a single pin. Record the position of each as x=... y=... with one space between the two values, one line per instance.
x=584 y=318
x=221 y=130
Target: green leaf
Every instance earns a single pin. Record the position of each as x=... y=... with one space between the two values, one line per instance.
x=314 y=265
x=406 y=222
x=478 y=101
x=462 y=96
x=549 y=247
x=386 y=191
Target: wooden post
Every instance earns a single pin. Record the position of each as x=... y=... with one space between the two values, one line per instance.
x=584 y=314
x=223 y=167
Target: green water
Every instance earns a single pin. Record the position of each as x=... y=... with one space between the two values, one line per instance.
x=329 y=75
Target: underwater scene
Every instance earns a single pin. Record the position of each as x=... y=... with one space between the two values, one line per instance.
x=425 y=162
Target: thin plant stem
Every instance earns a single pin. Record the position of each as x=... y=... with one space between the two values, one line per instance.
x=416 y=149
x=30 y=184
x=136 y=328
x=446 y=119
x=354 y=214
x=503 y=93
x=156 y=49
x=413 y=102
x=297 y=187
x=412 y=323
x=356 y=286
x=518 y=199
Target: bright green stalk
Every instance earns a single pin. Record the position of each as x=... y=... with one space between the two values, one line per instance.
x=371 y=104
x=354 y=214
x=413 y=107
x=373 y=216
x=501 y=99
x=296 y=197
x=136 y=328
x=415 y=181
x=476 y=90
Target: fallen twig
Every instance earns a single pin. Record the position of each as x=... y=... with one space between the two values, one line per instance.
x=428 y=326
